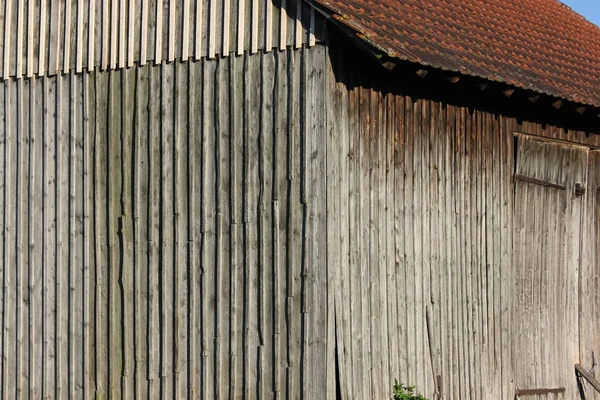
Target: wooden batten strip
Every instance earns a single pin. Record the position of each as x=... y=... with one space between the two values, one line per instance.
x=41 y=68
x=254 y=28
x=144 y=33
x=268 y=25
x=114 y=35
x=226 y=26
x=30 y=43
x=132 y=27
x=91 y=54
x=311 y=34
x=158 y=34
x=105 y=35
x=199 y=29
x=20 y=32
x=80 y=43
x=298 y=28
x=241 y=27
x=212 y=30
x=283 y=26
x=66 y=26
x=185 y=36
x=122 y=45
x=173 y=26
x=7 y=39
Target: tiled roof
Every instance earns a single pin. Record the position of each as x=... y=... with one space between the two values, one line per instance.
x=540 y=45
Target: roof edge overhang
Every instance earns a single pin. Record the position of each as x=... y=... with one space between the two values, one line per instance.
x=389 y=59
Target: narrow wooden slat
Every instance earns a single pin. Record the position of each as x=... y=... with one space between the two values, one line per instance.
x=253 y=30
x=226 y=27
x=283 y=20
x=212 y=28
x=158 y=33
x=144 y=32
x=242 y=25
x=30 y=42
x=7 y=38
x=185 y=37
x=173 y=26
x=42 y=49
x=199 y=26
x=268 y=27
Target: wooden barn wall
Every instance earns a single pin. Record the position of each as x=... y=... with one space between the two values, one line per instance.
x=444 y=275
x=44 y=37
x=164 y=232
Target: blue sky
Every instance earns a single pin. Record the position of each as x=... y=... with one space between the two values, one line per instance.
x=590 y=9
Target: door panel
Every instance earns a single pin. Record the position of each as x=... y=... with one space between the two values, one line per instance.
x=548 y=216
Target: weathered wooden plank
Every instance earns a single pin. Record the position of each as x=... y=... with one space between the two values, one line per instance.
x=154 y=174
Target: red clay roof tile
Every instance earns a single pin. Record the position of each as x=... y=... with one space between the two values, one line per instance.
x=540 y=45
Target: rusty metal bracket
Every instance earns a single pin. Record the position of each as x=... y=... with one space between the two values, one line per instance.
x=534 y=392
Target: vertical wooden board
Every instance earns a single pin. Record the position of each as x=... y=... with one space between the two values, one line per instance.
x=355 y=176
x=8 y=278
x=346 y=374
x=48 y=137
x=181 y=182
x=115 y=126
x=316 y=228
x=385 y=254
x=281 y=194
x=251 y=207
x=194 y=141
x=364 y=167
x=154 y=227
x=209 y=221
x=392 y=280
x=166 y=266
x=236 y=92
x=399 y=238
x=332 y=170
x=372 y=144
x=198 y=29
x=295 y=224
x=127 y=239
x=64 y=367
x=265 y=219
x=35 y=212
x=410 y=355
x=88 y=237
x=77 y=219
x=222 y=228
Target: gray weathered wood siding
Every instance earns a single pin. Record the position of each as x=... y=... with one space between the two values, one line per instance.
x=448 y=273
x=267 y=224
x=164 y=231
x=47 y=37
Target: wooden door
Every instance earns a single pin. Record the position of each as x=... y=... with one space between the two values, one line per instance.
x=550 y=182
